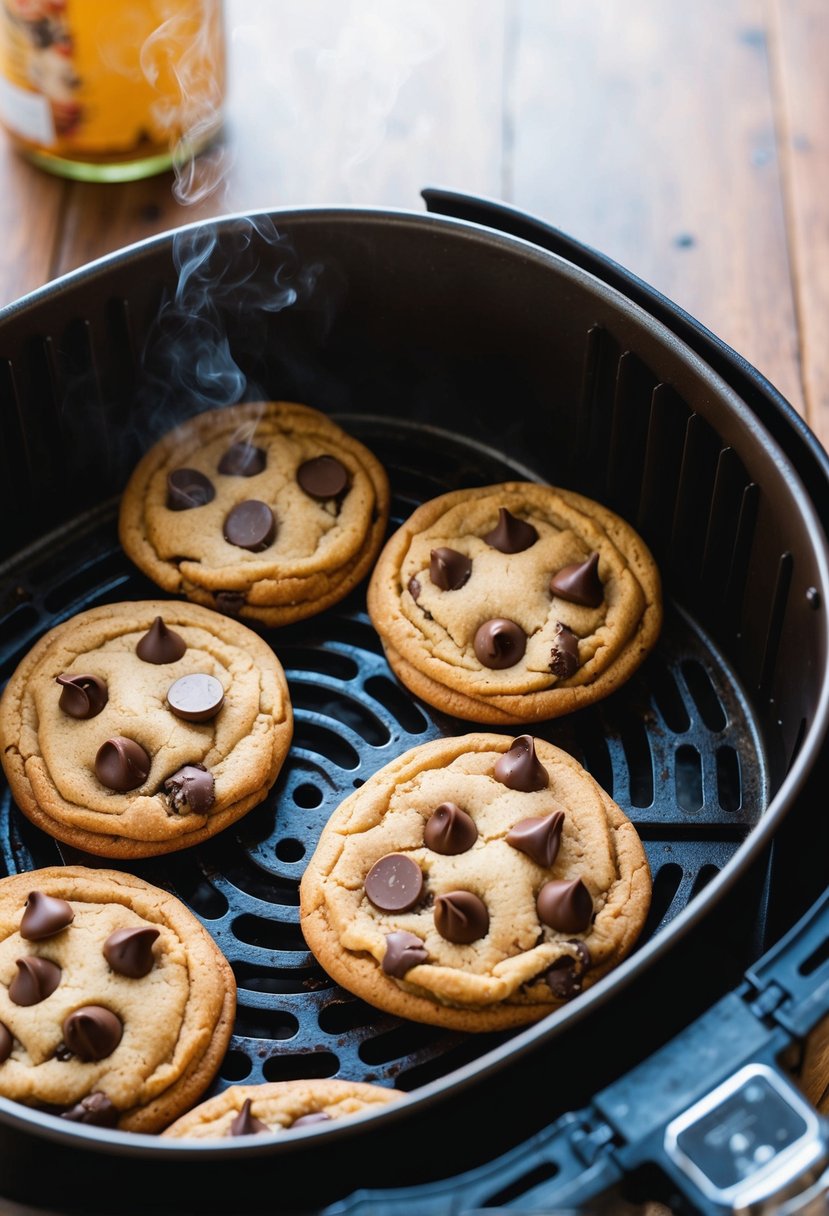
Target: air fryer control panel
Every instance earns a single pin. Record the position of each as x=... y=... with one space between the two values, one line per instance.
x=751 y=1144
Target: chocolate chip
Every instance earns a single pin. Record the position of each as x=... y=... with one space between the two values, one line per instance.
x=82 y=696
x=511 y=535
x=121 y=764
x=403 y=951
x=414 y=588
x=36 y=979
x=565 y=653
x=63 y=1053
x=520 y=769
x=449 y=830
x=6 y=1042
x=538 y=838
x=188 y=488
x=579 y=583
x=95 y=1109
x=92 y=1032
x=250 y=525
x=566 y=976
x=394 y=883
x=313 y=1116
x=230 y=602
x=44 y=915
x=192 y=787
x=243 y=460
x=130 y=951
x=196 y=698
x=500 y=643
x=449 y=569
x=160 y=644
x=565 y=906
x=322 y=478
x=245 y=1124
x=461 y=917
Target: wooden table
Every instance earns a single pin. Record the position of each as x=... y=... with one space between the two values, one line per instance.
x=687 y=141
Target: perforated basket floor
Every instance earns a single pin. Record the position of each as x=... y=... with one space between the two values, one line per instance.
x=676 y=748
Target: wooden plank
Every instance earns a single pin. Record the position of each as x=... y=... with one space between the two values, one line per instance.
x=647 y=130
x=31 y=203
x=330 y=103
x=802 y=53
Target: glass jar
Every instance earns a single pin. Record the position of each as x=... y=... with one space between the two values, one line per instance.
x=111 y=90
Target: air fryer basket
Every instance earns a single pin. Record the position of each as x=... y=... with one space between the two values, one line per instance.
x=461 y=356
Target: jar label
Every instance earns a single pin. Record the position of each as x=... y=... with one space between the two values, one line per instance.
x=26 y=114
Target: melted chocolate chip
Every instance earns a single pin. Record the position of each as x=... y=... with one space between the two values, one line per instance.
x=188 y=488
x=403 y=951
x=95 y=1109
x=565 y=653
x=230 y=603
x=449 y=830
x=538 y=838
x=6 y=1042
x=500 y=643
x=394 y=883
x=449 y=569
x=36 y=979
x=461 y=917
x=579 y=583
x=82 y=696
x=322 y=478
x=192 y=787
x=243 y=460
x=511 y=535
x=92 y=1032
x=196 y=698
x=565 y=906
x=520 y=768
x=313 y=1116
x=130 y=951
x=566 y=976
x=250 y=525
x=160 y=644
x=44 y=915
x=246 y=1124
x=414 y=588
x=121 y=764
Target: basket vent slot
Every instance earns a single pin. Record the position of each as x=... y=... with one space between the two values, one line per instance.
x=635 y=386
x=299 y=1067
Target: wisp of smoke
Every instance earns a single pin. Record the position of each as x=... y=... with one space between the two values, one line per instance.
x=224 y=285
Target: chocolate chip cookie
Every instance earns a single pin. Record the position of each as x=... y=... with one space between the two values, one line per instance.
x=515 y=603
x=135 y=729
x=116 y=1006
x=475 y=883
x=279 y=1106
x=267 y=510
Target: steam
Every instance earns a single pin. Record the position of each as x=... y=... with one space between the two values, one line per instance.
x=184 y=60
x=230 y=279
x=214 y=340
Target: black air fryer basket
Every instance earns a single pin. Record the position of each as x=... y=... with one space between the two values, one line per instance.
x=463 y=349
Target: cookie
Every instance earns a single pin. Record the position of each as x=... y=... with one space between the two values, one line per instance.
x=267 y=510
x=279 y=1106
x=135 y=729
x=515 y=603
x=475 y=883
x=116 y=1006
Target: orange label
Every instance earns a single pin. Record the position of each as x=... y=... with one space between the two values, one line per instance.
x=99 y=76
